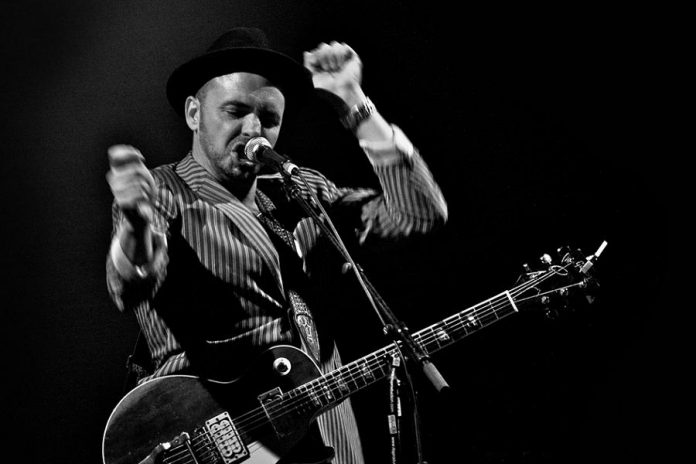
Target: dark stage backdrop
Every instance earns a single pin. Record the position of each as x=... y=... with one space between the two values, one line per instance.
x=532 y=121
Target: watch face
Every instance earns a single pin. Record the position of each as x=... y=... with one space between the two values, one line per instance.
x=358 y=114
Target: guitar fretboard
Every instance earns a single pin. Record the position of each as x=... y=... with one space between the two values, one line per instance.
x=326 y=391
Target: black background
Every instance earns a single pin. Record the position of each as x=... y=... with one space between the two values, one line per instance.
x=536 y=124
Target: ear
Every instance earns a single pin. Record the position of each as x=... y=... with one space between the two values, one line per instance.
x=192 y=112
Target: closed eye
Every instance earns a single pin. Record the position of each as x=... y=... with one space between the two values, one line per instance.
x=268 y=117
x=236 y=111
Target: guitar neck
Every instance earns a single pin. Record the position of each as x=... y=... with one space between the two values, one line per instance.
x=330 y=389
x=465 y=323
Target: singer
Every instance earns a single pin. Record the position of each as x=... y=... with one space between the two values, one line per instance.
x=212 y=257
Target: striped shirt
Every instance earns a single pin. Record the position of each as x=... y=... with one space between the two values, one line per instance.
x=214 y=293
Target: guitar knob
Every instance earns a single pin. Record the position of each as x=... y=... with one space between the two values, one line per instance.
x=282 y=366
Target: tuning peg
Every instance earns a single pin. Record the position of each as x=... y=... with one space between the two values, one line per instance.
x=546 y=259
x=590 y=260
x=528 y=273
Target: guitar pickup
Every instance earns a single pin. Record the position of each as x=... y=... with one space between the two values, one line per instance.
x=226 y=439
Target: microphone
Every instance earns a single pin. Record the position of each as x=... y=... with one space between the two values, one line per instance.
x=260 y=150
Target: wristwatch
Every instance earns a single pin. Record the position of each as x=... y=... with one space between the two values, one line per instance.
x=357 y=114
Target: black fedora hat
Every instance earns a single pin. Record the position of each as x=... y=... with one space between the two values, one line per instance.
x=242 y=49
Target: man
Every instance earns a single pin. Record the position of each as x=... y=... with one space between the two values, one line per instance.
x=211 y=255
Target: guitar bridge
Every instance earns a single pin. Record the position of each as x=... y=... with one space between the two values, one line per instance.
x=226 y=439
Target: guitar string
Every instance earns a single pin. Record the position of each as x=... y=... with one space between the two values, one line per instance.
x=577 y=284
x=257 y=417
x=333 y=380
x=244 y=427
x=186 y=457
x=181 y=454
x=178 y=454
x=454 y=323
x=184 y=454
x=424 y=337
x=380 y=360
x=350 y=373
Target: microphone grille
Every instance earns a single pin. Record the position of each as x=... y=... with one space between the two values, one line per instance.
x=253 y=145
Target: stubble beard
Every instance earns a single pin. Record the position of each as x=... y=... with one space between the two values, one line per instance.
x=228 y=168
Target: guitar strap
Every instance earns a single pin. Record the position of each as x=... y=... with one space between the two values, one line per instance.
x=295 y=280
x=138 y=365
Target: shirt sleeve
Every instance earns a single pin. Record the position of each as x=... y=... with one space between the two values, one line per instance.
x=389 y=151
x=130 y=285
x=410 y=201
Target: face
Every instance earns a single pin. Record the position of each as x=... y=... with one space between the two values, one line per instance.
x=228 y=112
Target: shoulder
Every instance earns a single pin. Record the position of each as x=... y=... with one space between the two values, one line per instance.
x=170 y=189
x=165 y=175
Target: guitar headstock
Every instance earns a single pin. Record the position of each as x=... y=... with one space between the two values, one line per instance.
x=559 y=283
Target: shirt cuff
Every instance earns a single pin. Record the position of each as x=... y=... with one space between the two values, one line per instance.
x=391 y=151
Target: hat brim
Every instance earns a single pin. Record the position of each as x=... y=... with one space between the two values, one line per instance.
x=281 y=70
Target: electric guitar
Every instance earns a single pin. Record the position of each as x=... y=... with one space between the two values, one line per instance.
x=260 y=417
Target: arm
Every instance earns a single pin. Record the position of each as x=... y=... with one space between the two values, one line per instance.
x=411 y=200
x=137 y=256
x=336 y=68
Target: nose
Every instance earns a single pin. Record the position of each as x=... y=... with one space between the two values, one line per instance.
x=251 y=126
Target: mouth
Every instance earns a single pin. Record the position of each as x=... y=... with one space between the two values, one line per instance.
x=238 y=150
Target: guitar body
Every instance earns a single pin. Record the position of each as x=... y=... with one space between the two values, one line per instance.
x=162 y=409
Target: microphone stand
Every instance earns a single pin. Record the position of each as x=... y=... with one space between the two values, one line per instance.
x=394 y=409
x=392 y=326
